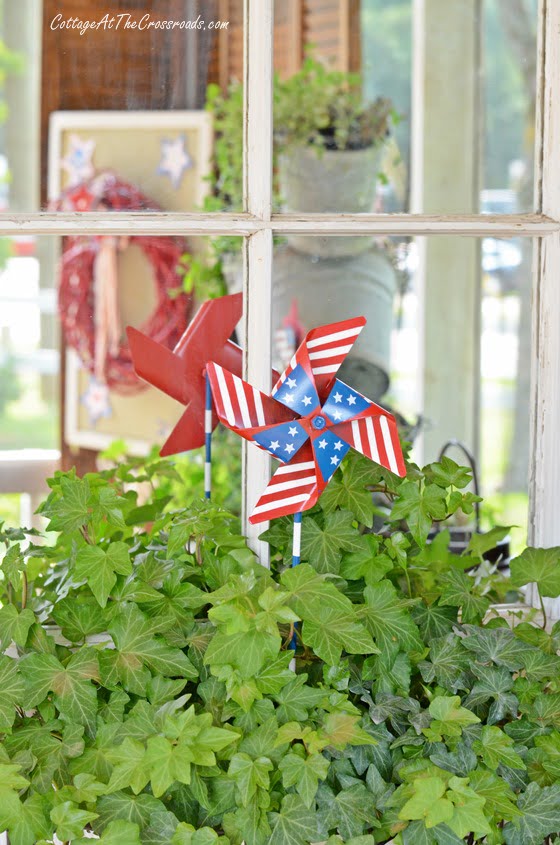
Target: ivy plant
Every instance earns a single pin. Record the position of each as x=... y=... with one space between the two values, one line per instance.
x=148 y=694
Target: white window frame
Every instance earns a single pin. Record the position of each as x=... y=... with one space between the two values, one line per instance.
x=257 y=225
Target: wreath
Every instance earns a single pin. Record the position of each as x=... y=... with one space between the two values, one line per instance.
x=88 y=284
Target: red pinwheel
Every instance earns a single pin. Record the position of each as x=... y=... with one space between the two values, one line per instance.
x=310 y=422
x=180 y=373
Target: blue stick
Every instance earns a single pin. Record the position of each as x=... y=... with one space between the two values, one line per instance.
x=208 y=441
x=296 y=556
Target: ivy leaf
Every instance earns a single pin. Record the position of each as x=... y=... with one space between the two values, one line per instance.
x=74 y=694
x=348 y=811
x=461 y=761
x=14 y=625
x=388 y=618
x=33 y=821
x=323 y=546
x=541 y=816
x=479 y=544
x=500 y=797
x=12 y=564
x=129 y=768
x=550 y=745
x=428 y=802
x=331 y=632
x=304 y=773
x=72 y=510
x=79 y=619
x=186 y=834
x=419 y=508
x=545 y=710
x=347 y=491
x=117 y=833
x=12 y=687
x=246 y=651
x=496 y=645
x=493 y=683
x=468 y=816
x=539 y=566
x=459 y=591
x=448 y=663
x=137 y=809
x=11 y=782
x=70 y=820
x=433 y=621
x=249 y=775
x=449 y=718
x=296 y=700
x=294 y=824
x=495 y=748
x=99 y=568
x=447 y=473
x=137 y=648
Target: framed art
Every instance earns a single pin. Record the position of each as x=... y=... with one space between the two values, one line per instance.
x=166 y=156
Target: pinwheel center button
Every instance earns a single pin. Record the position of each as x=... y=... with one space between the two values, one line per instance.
x=318 y=422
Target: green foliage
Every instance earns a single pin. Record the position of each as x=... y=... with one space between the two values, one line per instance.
x=325 y=108
x=164 y=710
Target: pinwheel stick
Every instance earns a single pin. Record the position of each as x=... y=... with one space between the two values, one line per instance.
x=208 y=440
x=296 y=556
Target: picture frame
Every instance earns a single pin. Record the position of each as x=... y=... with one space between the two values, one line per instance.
x=145 y=418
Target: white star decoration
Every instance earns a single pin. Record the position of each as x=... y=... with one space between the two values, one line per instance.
x=291 y=382
x=288 y=398
x=293 y=430
x=351 y=400
x=307 y=400
x=175 y=159
x=96 y=401
x=334 y=460
x=337 y=415
x=274 y=445
x=322 y=444
x=337 y=397
x=289 y=448
x=77 y=162
x=338 y=445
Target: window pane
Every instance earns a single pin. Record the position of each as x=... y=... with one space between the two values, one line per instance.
x=123 y=96
x=448 y=361
x=439 y=120
x=66 y=362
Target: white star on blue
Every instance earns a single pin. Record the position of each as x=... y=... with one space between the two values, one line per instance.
x=329 y=456
x=343 y=403
x=282 y=440
x=298 y=392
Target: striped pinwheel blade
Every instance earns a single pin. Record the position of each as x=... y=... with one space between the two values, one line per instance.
x=373 y=432
x=318 y=359
x=294 y=487
x=254 y=415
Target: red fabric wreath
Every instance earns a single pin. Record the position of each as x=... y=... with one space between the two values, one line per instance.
x=76 y=300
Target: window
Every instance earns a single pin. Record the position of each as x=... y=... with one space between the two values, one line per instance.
x=258 y=223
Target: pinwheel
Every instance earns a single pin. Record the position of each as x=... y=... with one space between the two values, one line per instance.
x=310 y=422
x=181 y=373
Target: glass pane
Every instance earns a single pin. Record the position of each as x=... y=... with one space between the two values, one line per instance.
x=445 y=348
x=423 y=107
x=126 y=114
x=68 y=367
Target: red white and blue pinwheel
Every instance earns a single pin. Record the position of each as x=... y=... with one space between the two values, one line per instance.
x=309 y=422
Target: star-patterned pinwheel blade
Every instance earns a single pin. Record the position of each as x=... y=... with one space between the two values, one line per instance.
x=320 y=356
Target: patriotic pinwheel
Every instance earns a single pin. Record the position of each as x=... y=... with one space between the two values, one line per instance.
x=309 y=423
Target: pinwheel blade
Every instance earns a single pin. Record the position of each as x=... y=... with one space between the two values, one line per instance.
x=294 y=487
x=243 y=408
x=374 y=434
x=322 y=353
x=158 y=365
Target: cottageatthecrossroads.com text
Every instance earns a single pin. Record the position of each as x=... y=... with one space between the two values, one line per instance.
x=126 y=21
